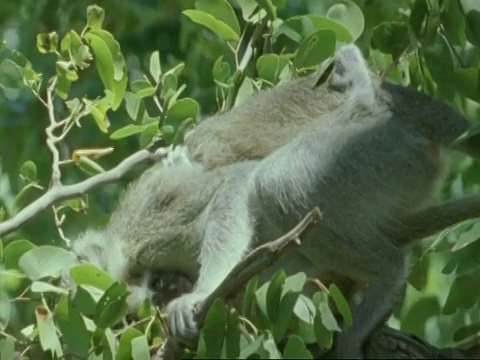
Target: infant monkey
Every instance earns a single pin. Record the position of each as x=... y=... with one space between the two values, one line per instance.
x=367 y=164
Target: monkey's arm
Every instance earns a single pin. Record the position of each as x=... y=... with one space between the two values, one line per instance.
x=228 y=233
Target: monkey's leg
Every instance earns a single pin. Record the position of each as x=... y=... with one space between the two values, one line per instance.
x=228 y=232
x=386 y=276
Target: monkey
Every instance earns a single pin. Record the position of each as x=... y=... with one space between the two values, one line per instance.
x=200 y=223
x=264 y=122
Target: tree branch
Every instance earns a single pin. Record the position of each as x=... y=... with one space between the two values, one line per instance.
x=62 y=192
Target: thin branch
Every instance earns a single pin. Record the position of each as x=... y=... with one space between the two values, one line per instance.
x=247 y=55
x=62 y=192
x=51 y=139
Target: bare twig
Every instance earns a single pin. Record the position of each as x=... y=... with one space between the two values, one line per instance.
x=51 y=139
x=62 y=192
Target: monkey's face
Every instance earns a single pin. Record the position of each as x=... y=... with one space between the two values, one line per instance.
x=168 y=285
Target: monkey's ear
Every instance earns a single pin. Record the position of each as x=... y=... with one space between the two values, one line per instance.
x=324 y=71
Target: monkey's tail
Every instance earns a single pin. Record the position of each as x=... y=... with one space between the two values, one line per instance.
x=431 y=220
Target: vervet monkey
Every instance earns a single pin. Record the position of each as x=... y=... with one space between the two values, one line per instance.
x=264 y=122
x=367 y=164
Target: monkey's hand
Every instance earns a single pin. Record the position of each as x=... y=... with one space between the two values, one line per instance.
x=182 y=321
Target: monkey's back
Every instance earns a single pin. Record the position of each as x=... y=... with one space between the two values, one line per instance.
x=263 y=123
x=161 y=221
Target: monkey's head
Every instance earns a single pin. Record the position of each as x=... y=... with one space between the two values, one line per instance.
x=97 y=247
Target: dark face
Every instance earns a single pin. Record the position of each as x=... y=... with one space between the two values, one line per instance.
x=168 y=285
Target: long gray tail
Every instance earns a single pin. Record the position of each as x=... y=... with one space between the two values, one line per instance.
x=431 y=220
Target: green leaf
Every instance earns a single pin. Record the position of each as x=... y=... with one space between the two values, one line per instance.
x=296 y=349
x=274 y=292
x=73 y=48
x=11 y=79
x=127 y=131
x=41 y=287
x=250 y=11
x=29 y=170
x=439 y=61
x=390 y=37
x=328 y=319
x=7 y=348
x=47 y=331
x=268 y=6
x=467 y=332
x=109 y=345
x=322 y=334
x=294 y=283
x=112 y=306
x=213 y=332
x=181 y=110
x=169 y=86
x=149 y=134
x=467 y=81
x=5 y=312
x=221 y=70
x=249 y=296
x=109 y=61
x=155 y=67
x=245 y=91
x=72 y=326
x=348 y=14
x=47 y=43
x=23 y=197
x=271 y=348
x=270 y=66
x=472 y=21
x=14 y=251
x=342 y=304
x=284 y=314
x=46 y=261
x=304 y=309
x=84 y=301
x=95 y=16
x=458 y=298
x=264 y=321
x=86 y=274
x=232 y=337
x=12 y=281
x=417 y=18
x=140 y=348
x=315 y=49
x=299 y=27
x=89 y=166
x=418 y=314
x=252 y=347
x=135 y=106
x=76 y=204
x=125 y=345
x=220 y=10
x=453 y=23
x=217 y=26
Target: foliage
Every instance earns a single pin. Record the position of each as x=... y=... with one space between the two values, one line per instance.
x=223 y=51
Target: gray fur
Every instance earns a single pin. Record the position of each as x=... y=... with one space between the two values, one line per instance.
x=367 y=159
